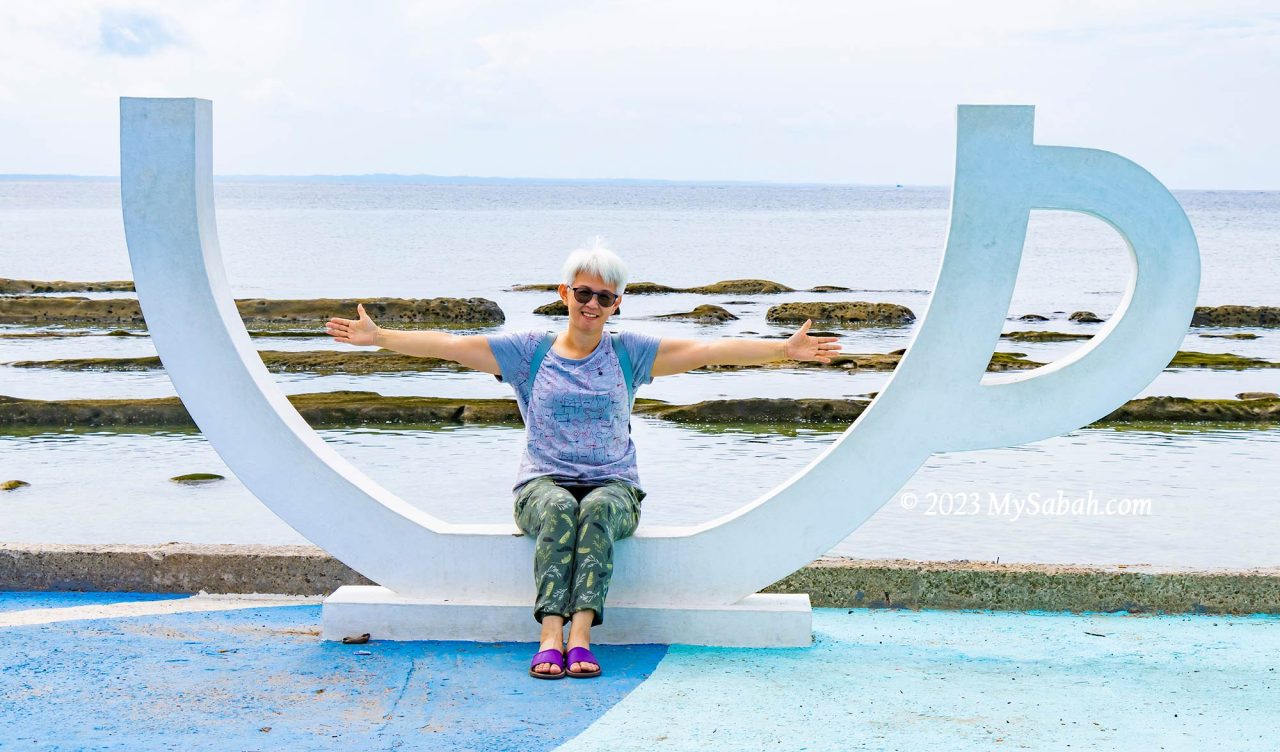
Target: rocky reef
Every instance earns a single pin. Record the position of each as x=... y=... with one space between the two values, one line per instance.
x=1192 y=359
x=1236 y=315
x=704 y=314
x=554 y=308
x=28 y=286
x=848 y=313
x=1044 y=336
x=348 y=408
x=40 y=310
x=1186 y=409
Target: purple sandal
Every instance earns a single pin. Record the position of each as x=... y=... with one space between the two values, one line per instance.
x=550 y=655
x=582 y=655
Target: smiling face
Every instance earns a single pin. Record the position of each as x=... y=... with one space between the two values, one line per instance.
x=588 y=317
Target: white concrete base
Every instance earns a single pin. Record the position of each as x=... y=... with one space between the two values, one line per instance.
x=757 y=621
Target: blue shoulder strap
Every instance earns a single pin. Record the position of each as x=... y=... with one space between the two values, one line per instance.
x=547 y=340
x=624 y=361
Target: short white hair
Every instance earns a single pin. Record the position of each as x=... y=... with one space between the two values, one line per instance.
x=596 y=260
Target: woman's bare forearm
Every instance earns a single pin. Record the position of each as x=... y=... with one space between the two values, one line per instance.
x=422 y=344
x=470 y=350
x=745 y=352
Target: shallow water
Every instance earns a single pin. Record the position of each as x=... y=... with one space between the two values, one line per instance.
x=1209 y=487
x=1205 y=486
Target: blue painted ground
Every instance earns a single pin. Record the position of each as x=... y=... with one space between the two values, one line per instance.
x=260 y=678
x=216 y=680
x=19 y=601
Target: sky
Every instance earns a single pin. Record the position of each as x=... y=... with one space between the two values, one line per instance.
x=836 y=92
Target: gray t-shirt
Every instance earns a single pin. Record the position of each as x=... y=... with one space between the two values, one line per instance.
x=578 y=427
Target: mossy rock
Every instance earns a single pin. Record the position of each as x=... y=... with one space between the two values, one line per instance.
x=1185 y=409
x=1235 y=315
x=50 y=335
x=324 y=409
x=849 y=313
x=558 y=308
x=741 y=287
x=1004 y=361
x=13 y=485
x=1085 y=317
x=1044 y=336
x=648 y=288
x=1237 y=335
x=1257 y=395
x=830 y=288
x=1191 y=359
x=288 y=333
x=23 y=286
x=348 y=408
x=197 y=478
x=761 y=410
x=85 y=311
x=1032 y=317
x=321 y=362
x=707 y=314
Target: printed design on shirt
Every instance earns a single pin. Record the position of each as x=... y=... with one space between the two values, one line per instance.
x=582 y=421
x=577 y=421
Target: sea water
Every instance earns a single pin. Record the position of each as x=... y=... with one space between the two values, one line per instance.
x=1207 y=488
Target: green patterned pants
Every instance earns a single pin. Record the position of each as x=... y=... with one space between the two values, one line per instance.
x=574 y=529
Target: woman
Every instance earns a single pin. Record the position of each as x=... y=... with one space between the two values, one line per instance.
x=577 y=489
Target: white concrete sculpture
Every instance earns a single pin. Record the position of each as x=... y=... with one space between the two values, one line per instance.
x=474 y=582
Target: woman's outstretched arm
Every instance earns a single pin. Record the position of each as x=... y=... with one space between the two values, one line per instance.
x=680 y=355
x=471 y=351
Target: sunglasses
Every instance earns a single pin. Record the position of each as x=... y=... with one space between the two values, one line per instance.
x=583 y=295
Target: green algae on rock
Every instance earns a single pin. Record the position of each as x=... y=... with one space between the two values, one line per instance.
x=387 y=311
x=24 y=286
x=1044 y=336
x=554 y=308
x=1236 y=315
x=196 y=478
x=323 y=409
x=51 y=333
x=1237 y=335
x=1192 y=359
x=349 y=408
x=760 y=410
x=741 y=287
x=847 y=313
x=707 y=314
x=13 y=485
x=1084 y=317
x=1185 y=409
x=278 y=361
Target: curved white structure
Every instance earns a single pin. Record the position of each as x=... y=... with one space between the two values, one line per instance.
x=934 y=402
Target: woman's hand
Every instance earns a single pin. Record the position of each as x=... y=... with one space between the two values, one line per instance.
x=361 y=331
x=800 y=346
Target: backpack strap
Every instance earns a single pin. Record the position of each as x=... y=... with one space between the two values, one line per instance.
x=624 y=360
x=538 y=355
